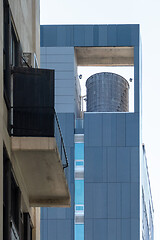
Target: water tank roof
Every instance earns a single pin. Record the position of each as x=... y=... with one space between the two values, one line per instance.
x=107 y=92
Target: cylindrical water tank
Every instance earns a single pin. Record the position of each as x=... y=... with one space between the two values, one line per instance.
x=107 y=92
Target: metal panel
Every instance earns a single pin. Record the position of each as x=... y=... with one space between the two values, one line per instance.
x=48 y=36
x=95 y=35
x=63 y=66
x=43 y=229
x=126 y=229
x=123 y=164
x=64 y=91
x=135 y=200
x=112 y=235
x=119 y=230
x=59 y=50
x=69 y=35
x=65 y=108
x=121 y=133
x=59 y=58
x=132 y=129
x=51 y=230
x=112 y=202
x=126 y=200
x=94 y=129
x=93 y=164
x=61 y=35
x=56 y=213
x=100 y=229
x=63 y=230
x=135 y=229
x=62 y=99
x=79 y=35
x=119 y=200
x=137 y=79
x=135 y=35
x=67 y=125
x=68 y=83
x=43 y=58
x=89 y=35
x=43 y=50
x=134 y=164
x=112 y=164
x=103 y=35
x=124 y=35
x=79 y=219
x=33 y=102
x=100 y=200
x=112 y=35
x=88 y=229
x=44 y=213
x=107 y=129
x=88 y=200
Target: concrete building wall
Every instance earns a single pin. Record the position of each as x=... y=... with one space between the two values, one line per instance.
x=26 y=17
x=25 y=20
x=1 y=120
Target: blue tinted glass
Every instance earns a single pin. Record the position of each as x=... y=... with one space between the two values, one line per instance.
x=79 y=191
x=79 y=123
x=79 y=231
x=79 y=163
x=79 y=151
x=79 y=208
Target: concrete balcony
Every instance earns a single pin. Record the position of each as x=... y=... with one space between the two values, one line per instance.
x=42 y=171
x=37 y=142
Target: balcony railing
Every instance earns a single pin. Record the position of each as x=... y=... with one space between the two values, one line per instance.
x=38 y=122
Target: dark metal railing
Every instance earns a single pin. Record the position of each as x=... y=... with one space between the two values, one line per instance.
x=61 y=147
x=38 y=122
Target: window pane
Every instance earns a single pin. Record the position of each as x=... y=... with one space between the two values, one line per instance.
x=79 y=151
x=79 y=163
x=79 y=191
x=79 y=231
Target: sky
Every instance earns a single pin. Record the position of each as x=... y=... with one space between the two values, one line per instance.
x=147 y=14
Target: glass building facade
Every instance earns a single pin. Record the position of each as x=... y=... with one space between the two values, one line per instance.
x=79 y=188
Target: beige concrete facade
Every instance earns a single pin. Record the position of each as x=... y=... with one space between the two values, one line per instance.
x=1 y=119
x=38 y=167
x=25 y=15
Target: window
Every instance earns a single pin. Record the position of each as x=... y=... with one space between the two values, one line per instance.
x=79 y=192
x=11 y=201
x=27 y=227
x=13 y=48
x=79 y=151
x=79 y=208
x=11 y=56
x=79 y=163
x=15 y=203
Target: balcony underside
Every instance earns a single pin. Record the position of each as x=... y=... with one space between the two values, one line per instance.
x=42 y=171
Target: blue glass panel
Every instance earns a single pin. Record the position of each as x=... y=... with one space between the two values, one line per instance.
x=79 y=151
x=79 y=231
x=79 y=191
x=79 y=208
x=79 y=163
